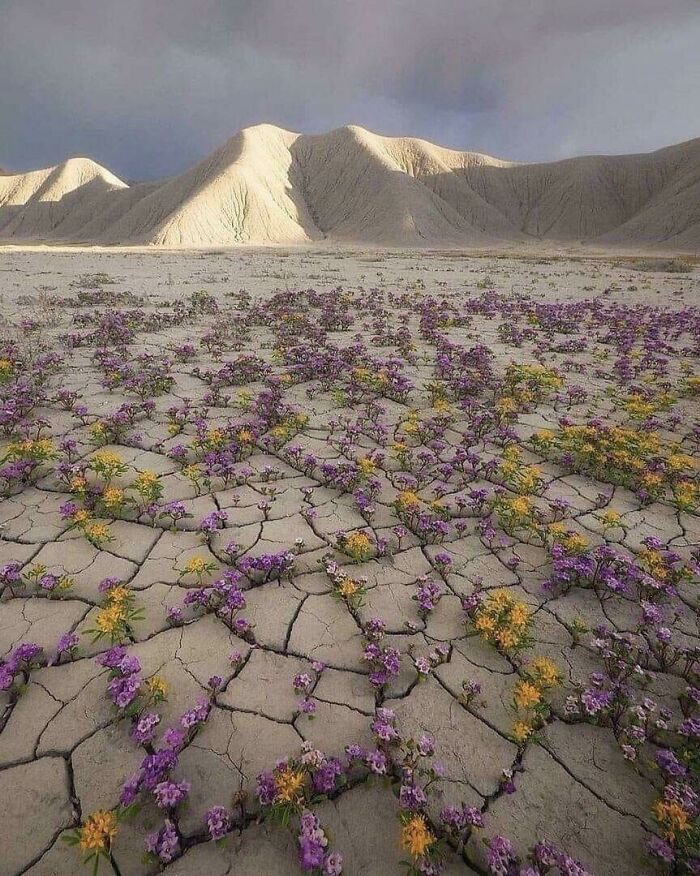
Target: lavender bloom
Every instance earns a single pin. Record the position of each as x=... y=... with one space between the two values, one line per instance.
x=501 y=855
x=145 y=728
x=218 y=821
x=170 y=794
x=165 y=843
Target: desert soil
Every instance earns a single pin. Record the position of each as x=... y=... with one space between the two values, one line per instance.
x=66 y=751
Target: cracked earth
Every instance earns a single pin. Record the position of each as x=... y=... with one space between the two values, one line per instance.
x=423 y=523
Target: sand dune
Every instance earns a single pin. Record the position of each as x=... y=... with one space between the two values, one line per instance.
x=267 y=185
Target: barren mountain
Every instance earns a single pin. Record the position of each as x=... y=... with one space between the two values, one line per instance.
x=268 y=185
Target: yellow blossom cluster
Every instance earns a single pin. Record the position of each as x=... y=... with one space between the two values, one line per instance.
x=416 y=836
x=98 y=831
x=357 y=545
x=529 y=701
x=503 y=621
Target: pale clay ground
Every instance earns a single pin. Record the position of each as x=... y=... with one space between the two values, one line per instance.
x=63 y=755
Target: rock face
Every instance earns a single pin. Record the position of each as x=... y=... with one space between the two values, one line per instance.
x=267 y=185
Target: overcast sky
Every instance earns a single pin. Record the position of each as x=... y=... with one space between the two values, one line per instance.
x=148 y=87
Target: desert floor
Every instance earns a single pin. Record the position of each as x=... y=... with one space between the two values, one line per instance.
x=385 y=435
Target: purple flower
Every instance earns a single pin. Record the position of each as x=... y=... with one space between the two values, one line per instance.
x=661 y=849
x=169 y=794
x=669 y=763
x=66 y=643
x=173 y=738
x=111 y=659
x=145 y=728
x=307 y=706
x=123 y=691
x=218 y=822
x=355 y=752
x=213 y=521
x=333 y=865
x=130 y=790
x=690 y=727
x=164 y=843
x=595 y=701
x=265 y=789
x=325 y=778
x=500 y=856
x=376 y=761
x=157 y=766
x=10 y=573
x=412 y=797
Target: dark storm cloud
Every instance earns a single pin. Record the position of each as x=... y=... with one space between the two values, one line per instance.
x=150 y=86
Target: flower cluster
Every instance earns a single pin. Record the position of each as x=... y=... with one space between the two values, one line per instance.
x=119 y=613
x=383 y=660
x=500 y=619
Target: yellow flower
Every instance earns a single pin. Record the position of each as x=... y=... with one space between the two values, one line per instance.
x=107 y=458
x=367 y=465
x=499 y=599
x=546 y=671
x=110 y=619
x=157 y=685
x=679 y=461
x=505 y=405
x=521 y=731
x=196 y=565
x=672 y=817
x=686 y=494
x=81 y=516
x=245 y=436
x=289 y=785
x=37 y=570
x=118 y=595
x=519 y=615
x=97 y=531
x=506 y=638
x=485 y=623
x=99 y=830
x=146 y=480
x=521 y=506
x=574 y=543
x=357 y=544
x=526 y=695
x=113 y=497
x=416 y=837
x=611 y=518
x=408 y=500
x=348 y=587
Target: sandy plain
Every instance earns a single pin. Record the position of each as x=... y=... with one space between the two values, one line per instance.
x=64 y=750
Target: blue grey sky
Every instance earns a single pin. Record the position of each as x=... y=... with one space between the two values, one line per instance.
x=148 y=87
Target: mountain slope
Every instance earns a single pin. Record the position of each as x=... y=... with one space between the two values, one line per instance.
x=267 y=185
x=36 y=204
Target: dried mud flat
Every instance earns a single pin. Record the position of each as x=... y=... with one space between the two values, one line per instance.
x=233 y=464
